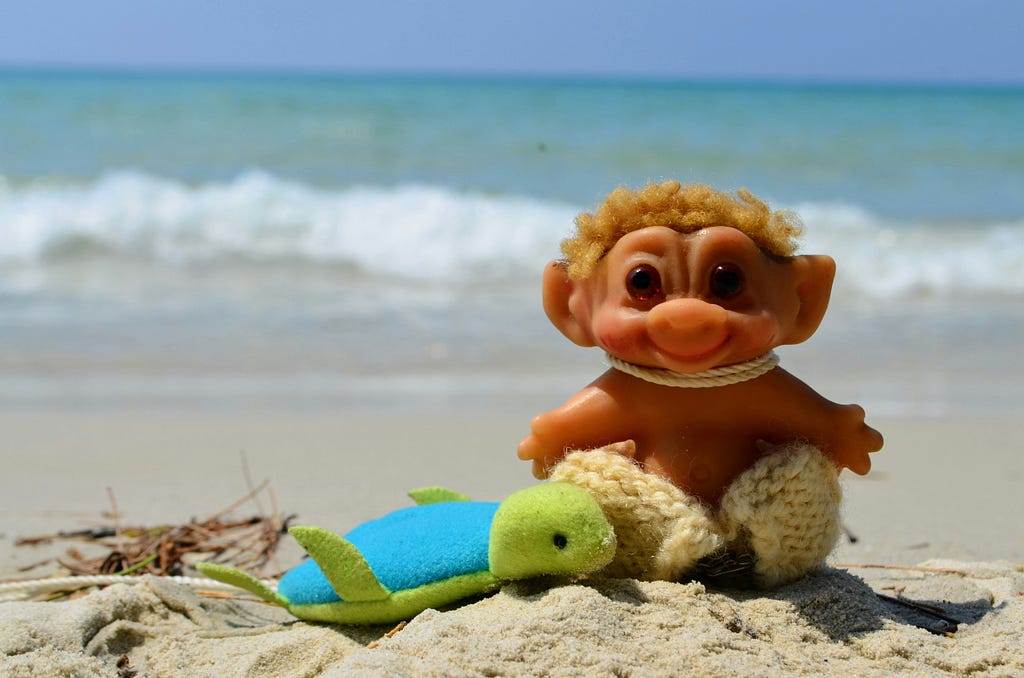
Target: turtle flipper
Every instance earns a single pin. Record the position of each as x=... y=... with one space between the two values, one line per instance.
x=435 y=495
x=342 y=564
x=242 y=580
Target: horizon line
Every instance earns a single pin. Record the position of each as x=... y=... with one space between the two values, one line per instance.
x=501 y=76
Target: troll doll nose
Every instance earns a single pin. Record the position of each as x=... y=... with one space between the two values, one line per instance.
x=687 y=326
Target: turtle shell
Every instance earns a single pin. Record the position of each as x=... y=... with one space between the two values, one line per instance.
x=407 y=549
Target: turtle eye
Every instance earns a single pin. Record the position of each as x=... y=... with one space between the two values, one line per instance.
x=726 y=281
x=643 y=282
x=560 y=541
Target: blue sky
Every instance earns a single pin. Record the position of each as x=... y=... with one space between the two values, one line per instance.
x=962 y=41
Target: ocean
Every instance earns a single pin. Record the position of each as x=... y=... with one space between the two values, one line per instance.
x=246 y=241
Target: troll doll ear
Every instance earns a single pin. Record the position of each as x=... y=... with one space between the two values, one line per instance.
x=811 y=278
x=558 y=290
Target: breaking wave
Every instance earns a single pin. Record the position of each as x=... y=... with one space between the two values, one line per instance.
x=441 y=234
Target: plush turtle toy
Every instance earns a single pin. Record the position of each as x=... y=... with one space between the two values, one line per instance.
x=442 y=550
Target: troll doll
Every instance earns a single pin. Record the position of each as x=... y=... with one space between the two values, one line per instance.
x=688 y=290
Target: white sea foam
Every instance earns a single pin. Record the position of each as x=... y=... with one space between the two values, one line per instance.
x=896 y=259
x=440 y=234
x=421 y=232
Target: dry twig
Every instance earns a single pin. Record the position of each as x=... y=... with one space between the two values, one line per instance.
x=390 y=634
x=246 y=543
x=909 y=568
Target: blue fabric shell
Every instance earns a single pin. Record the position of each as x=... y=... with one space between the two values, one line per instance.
x=407 y=549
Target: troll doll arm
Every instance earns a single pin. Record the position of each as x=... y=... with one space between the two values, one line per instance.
x=840 y=430
x=591 y=418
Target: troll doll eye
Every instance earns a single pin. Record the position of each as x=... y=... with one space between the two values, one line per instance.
x=727 y=281
x=643 y=282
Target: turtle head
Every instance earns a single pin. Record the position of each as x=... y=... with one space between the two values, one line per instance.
x=552 y=528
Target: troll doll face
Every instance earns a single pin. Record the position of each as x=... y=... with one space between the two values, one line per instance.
x=689 y=302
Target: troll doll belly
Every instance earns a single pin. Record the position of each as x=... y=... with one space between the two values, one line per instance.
x=703 y=472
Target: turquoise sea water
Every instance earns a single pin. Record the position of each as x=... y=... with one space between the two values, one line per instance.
x=324 y=241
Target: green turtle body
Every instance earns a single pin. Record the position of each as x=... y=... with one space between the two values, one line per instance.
x=442 y=550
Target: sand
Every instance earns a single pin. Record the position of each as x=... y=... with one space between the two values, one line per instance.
x=829 y=623
x=944 y=496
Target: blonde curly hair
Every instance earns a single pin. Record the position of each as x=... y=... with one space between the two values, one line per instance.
x=685 y=209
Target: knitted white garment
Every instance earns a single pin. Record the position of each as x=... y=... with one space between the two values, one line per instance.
x=784 y=510
x=661 y=531
x=716 y=376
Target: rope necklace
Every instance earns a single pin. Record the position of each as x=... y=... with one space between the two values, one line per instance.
x=716 y=376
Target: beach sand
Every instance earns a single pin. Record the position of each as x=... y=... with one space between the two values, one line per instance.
x=944 y=494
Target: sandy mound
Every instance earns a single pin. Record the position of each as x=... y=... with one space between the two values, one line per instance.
x=830 y=623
